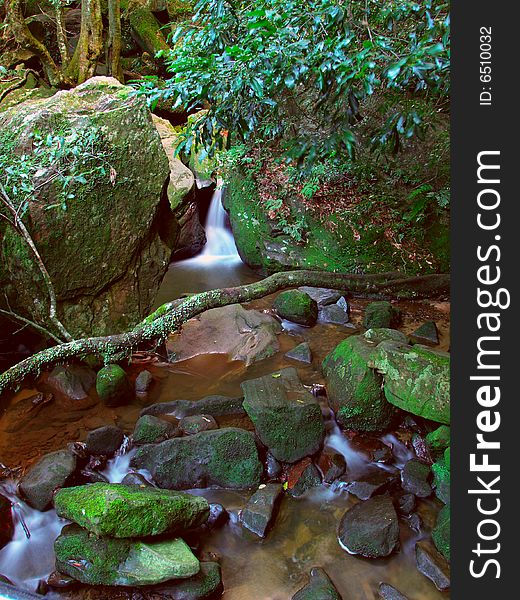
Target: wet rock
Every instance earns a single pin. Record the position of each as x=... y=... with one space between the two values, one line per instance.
x=388 y=592
x=331 y=465
x=406 y=504
x=438 y=440
x=368 y=485
x=143 y=382
x=374 y=448
x=108 y=561
x=246 y=335
x=320 y=587
x=218 y=516
x=286 y=416
x=258 y=513
x=59 y=580
x=421 y=448
x=415 y=522
x=47 y=475
x=309 y=478
x=337 y=314
x=73 y=381
x=417 y=379
x=322 y=296
x=414 y=478
x=216 y=406
x=134 y=478
x=376 y=335
x=104 y=440
x=206 y=585
x=301 y=353
x=6 y=521
x=442 y=477
x=93 y=476
x=432 y=565
x=354 y=389
x=272 y=466
x=150 y=430
x=225 y=457
x=197 y=423
x=112 y=385
x=296 y=306
x=426 y=334
x=441 y=532
x=122 y=511
x=381 y=314
x=370 y=528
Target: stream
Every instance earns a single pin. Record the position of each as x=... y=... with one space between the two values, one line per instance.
x=304 y=532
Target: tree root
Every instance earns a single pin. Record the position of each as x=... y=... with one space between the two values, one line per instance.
x=172 y=315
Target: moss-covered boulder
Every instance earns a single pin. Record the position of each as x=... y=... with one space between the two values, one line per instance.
x=354 y=389
x=417 y=379
x=438 y=440
x=286 y=416
x=107 y=561
x=112 y=385
x=320 y=587
x=123 y=511
x=441 y=532
x=381 y=314
x=108 y=251
x=205 y=585
x=296 y=306
x=150 y=429
x=442 y=477
x=225 y=457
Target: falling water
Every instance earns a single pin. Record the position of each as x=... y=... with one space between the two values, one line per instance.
x=220 y=242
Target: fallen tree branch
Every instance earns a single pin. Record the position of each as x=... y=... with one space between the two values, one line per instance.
x=172 y=315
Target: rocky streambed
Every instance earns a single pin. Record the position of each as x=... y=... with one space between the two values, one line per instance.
x=296 y=447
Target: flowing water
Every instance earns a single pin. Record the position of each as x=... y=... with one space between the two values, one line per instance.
x=304 y=534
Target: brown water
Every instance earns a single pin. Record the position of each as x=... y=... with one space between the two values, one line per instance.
x=304 y=534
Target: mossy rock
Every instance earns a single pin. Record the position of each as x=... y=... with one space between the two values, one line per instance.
x=286 y=416
x=127 y=562
x=442 y=531
x=438 y=440
x=150 y=429
x=416 y=379
x=122 y=511
x=354 y=388
x=296 y=306
x=320 y=587
x=381 y=315
x=206 y=585
x=112 y=385
x=225 y=458
x=442 y=477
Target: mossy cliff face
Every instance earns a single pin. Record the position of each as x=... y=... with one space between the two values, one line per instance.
x=108 y=251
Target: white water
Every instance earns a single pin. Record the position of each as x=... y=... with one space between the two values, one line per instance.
x=119 y=466
x=29 y=556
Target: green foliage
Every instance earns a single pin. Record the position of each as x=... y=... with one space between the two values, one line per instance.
x=296 y=71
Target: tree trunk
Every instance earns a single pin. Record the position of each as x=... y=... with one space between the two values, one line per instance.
x=171 y=316
x=90 y=43
x=26 y=39
x=114 y=40
x=61 y=35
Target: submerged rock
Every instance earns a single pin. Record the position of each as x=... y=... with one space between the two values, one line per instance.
x=122 y=511
x=301 y=353
x=426 y=334
x=320 y=587
x=46 y=476
x=417 y=379
x=432 y=565
x=104 y=440
x=388 y=592
x=368 y=485
x=246 y=335
x=150 y=430
x=6 y=521
x=296 y=306
x=73 y=381
x=286 y=416
x=225 y=457
x=381 y=314
x=112 y=385
x=441 y=532
x=205 y=585
x=354 y=389
x=370 y=528
x=260 y=508
x=414 y=478
x=107 y=561
x=216 y=406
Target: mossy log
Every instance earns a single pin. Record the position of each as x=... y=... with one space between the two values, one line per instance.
x=171 y=316
x=147 y=30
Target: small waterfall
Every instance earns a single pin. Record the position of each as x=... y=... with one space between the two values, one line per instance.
x=220 y=242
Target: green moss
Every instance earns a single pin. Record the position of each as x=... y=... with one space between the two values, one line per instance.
x=150 y=429
x=381 y=315
x=441 y=532
x=233 y=461
x=112 y=385
x=442 y=478
x=296 y=306
x=438 y=440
